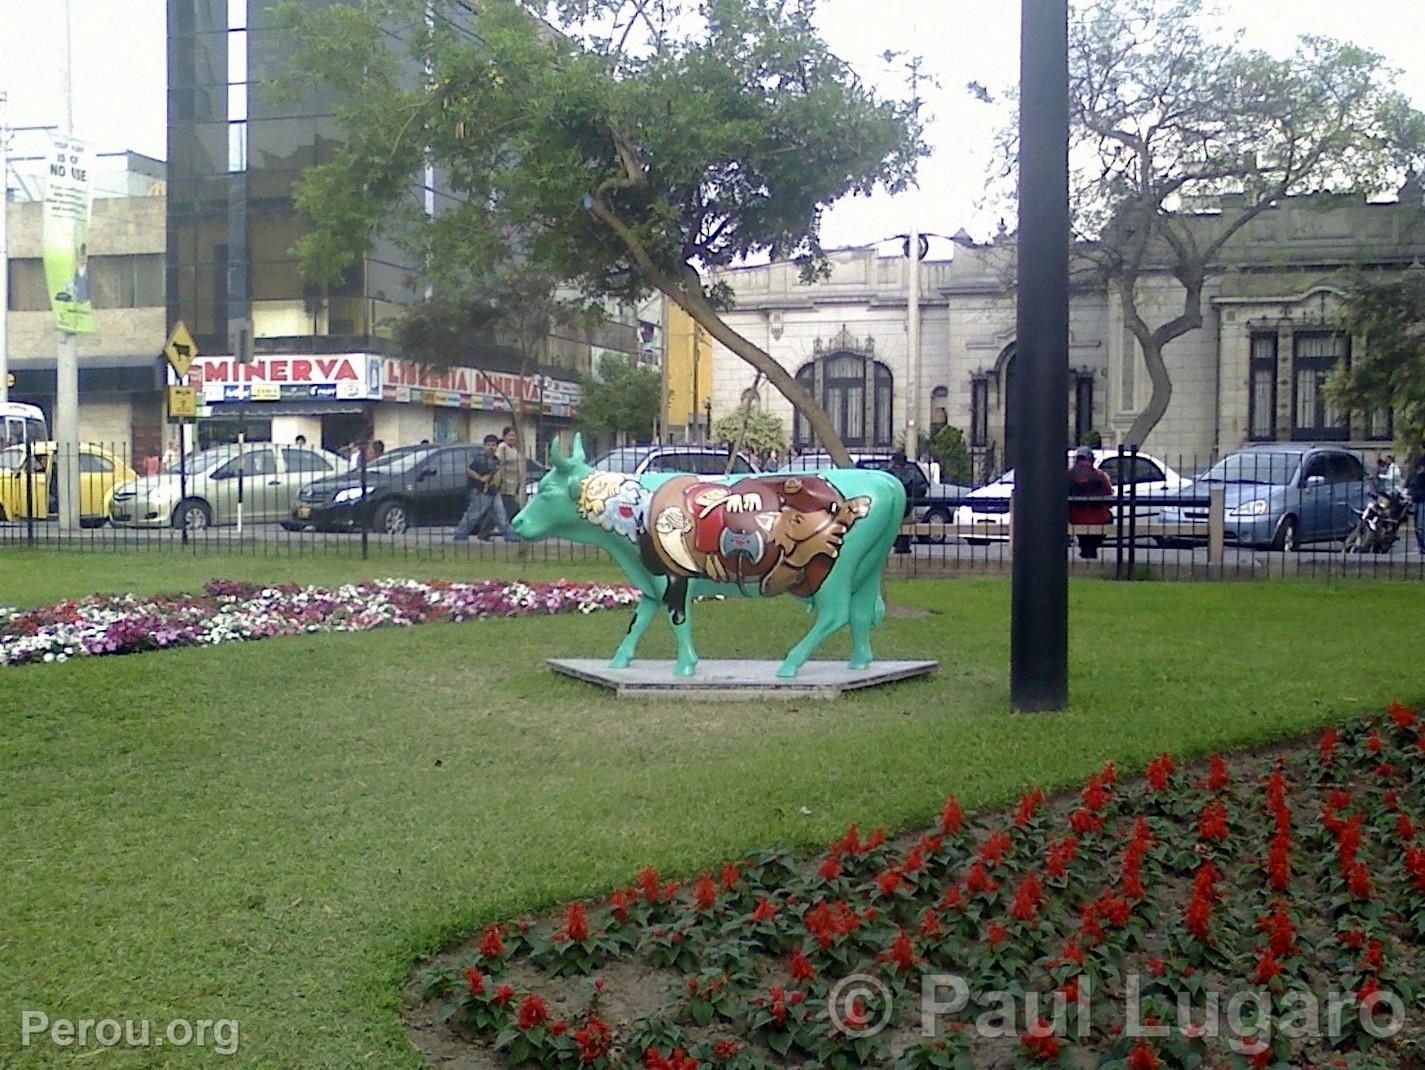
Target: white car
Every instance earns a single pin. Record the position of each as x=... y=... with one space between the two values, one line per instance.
x=992 y=502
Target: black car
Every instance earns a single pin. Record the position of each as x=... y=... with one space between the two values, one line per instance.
x=408 y=487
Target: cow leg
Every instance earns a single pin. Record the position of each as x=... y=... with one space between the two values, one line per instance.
x=680 y=620
x=642 y=617
x=866 y=613
x=833 y=610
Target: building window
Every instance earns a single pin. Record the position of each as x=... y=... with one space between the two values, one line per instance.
x=980 y=411
x=1262 y=389
x=1314 y=355
x=939 y=408
x=28 y=292
x=861 y=420
x=1380 y=425
x=134 y=281
x=1083 y=406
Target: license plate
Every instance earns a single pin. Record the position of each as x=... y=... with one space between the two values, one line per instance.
x=303 y=512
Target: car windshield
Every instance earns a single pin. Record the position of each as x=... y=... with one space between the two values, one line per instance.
x=12 y=459
x=1268 y=469
x=625 y=460
x=203 y=460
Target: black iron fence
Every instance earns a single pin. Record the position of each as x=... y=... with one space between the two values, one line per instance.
x=1268 y=511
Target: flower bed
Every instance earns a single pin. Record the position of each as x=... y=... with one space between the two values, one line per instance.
x=1096 y=929
x=230 y=611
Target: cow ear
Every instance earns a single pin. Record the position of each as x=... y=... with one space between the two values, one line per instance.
x=577 y=454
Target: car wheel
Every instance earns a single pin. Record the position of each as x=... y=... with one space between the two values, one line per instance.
x=287 y=525
x=936 y=516
x=1288 y=537
x=93 y=521
x=192 y=514
x=392 y=518
x=978 y=542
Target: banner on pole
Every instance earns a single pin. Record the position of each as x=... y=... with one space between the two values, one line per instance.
x=68 y=192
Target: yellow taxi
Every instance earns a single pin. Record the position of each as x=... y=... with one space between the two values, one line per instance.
x=26 y=489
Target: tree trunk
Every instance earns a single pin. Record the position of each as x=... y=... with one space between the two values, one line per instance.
x=1157 y=405
x=705 y=315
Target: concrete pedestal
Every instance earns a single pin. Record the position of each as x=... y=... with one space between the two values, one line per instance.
x=737 y=679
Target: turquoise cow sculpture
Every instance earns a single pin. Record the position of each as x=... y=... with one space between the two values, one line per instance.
x=819 y=536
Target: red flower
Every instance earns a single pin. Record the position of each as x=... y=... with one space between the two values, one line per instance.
x=1028 y=804
x=1403 y=716
x=1197 y=918
x=1028 y=897
x=1109 y=773
x=1056 y=862
x=724 y=1050
x=993 y=850
x=558 y=1027
x=953 y=898
x=1369 y=992
x=1085 y=820
x=1212 y=823
x=901 y=954
x=1267 y=969
x=648 y=882
x=594 y=1039
x=1281 y=939
x=1339 y=799
x=930 y=927
x=888 y=880
x=730 y=876
x=1352 y=938
x=1072 y=953
x=876 y=839
x=978 y=881
x=779 y=1005
x=830 y=868
x=619 y=902
x=914 y=860
x=1373 y=742
x=1385 y=770
x=503 y=995
x=1042 y=1044
x=1217 y=775
x=576 y=924
x=1090 y=931
x=952 y=820
x=1094 y=795
x=491 y=946
x=676 y=1060
x=1070 y=990
x=1375 y=952
x=766 y=910
x=1159 y=769
x=1327 y=746
x=1404 y=828
x=856 y=1016
x=800 y=968
x=826 y=923
x=996 y=933
x=1142 y=1057
x=1157 y=968
x=1359 y=881
x=1113 y=910
x=533 y=1012
x=475 y=980
x=705 y=893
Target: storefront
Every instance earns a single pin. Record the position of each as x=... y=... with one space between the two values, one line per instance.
x=335 y=400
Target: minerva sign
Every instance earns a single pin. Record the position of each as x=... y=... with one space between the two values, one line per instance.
x=471 y=388
x=288 y=378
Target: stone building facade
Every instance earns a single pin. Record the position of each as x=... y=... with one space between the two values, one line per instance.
x=1252 y=372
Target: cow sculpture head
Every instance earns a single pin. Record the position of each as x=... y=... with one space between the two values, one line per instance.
x=554 y=510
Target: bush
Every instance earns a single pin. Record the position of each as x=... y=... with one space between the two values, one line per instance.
x=949 y=448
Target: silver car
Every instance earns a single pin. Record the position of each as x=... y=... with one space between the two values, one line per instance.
x=266 y=476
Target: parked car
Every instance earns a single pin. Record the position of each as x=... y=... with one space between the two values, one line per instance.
x=270 y=477
x=1281 y=495
x=698 y=460
x=991 y=503
x=405 y=488
x=24 y=495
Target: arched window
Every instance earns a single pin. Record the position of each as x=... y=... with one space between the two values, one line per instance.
x=856 y=393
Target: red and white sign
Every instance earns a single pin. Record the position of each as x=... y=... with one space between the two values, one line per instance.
x=351 y=376
x=471 y=388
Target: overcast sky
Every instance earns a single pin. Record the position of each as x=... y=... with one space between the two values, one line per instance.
x=119 y=71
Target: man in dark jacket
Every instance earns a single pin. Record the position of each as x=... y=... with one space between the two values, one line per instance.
x=1415 y=487
x=1086 y=481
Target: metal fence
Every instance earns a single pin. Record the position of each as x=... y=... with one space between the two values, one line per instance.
x=1263 y=512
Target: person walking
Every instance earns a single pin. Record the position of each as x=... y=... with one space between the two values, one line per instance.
x=513 y=474
x=1415 y=487
x=482 y=487
x=1086 y=481
x=900 y=467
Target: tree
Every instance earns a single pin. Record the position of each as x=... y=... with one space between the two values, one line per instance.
x=748 y=427
x=622 y=148
x=1390 y=373
x=949 y=448
x=626 y=399
x=1166 y=117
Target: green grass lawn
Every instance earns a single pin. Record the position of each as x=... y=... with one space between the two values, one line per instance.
x=273 y=832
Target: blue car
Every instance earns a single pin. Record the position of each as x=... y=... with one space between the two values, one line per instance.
x=1281 y=495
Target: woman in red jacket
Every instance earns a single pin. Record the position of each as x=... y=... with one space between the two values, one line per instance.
x=1086 y=481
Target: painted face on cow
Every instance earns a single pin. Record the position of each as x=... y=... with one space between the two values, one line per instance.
x=553 y=510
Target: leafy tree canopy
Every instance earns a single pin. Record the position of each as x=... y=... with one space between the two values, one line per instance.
x=1167 y=114
x=619 y=147
x=752 y=429
x=1390 y=372
x=624 y=400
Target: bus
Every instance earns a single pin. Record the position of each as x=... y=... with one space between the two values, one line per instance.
x=21 y=423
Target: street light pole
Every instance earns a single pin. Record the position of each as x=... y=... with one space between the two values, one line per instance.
x=1039 y=626
x=4 y=246
x=66 y=368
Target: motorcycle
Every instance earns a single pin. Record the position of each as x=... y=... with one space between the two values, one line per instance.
x=1378 y=524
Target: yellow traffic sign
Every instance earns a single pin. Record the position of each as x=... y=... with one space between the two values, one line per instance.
x=182 y=402
x=180 y=349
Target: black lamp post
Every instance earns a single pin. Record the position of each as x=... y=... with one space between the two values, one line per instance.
x=1039 y=621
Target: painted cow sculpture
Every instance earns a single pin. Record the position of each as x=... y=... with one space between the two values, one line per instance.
x=819 y=536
